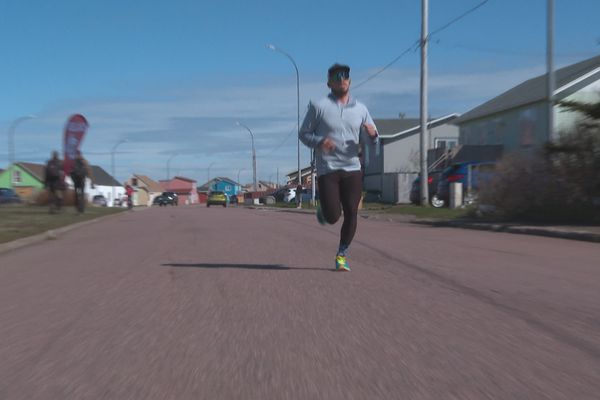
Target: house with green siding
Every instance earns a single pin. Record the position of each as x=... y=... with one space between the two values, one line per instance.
x=27 y=178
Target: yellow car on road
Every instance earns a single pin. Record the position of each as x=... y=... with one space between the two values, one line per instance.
x=217 y=198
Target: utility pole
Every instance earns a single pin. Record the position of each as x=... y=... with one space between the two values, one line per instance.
x=424 y=132
x=312 y=179
x=551 y=84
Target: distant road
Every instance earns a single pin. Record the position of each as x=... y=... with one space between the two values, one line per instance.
x=214 y=303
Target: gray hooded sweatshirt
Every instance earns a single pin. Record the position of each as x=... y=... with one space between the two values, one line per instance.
x=343 y=124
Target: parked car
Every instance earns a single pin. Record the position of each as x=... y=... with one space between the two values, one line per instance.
x=480 y=173
x=433 y=179
x=279 y=194
x=290 y=195
x=163 y=200
x=217 y=198
x=173 y=196
x=233 y=199
x=99 y=200
x=8 y=195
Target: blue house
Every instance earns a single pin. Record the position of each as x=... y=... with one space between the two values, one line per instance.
x=221 y=184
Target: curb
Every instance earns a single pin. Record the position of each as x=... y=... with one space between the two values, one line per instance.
x=51 y=234
x=519 y=229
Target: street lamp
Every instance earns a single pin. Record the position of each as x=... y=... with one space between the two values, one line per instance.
x=169 y=167
x=11 y=145
x=112 y=163
x=238 y=175
x=278 y=50
x=253 y=155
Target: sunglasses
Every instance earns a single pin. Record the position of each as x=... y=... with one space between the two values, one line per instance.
x=338 y=76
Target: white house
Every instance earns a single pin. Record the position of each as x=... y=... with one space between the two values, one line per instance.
x=518 y=118
x=103 y=184
x=388 y=175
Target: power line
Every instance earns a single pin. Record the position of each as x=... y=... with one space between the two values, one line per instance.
x=458 y=18
x=294 y=130
x=417 y=44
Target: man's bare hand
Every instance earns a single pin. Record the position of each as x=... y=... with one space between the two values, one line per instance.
x=327 y=145
x=371 y=131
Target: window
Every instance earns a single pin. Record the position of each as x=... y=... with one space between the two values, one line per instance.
x=445 y=143
x=134 y=182
x=16 y=175
x=228 y=188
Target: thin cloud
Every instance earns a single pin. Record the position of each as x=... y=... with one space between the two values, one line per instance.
x=198 y=123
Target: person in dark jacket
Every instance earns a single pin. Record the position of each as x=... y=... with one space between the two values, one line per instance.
x=54 y=182
x=299 y=196
x=81 y=170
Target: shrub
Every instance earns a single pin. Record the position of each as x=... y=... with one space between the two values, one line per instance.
x=558 y=183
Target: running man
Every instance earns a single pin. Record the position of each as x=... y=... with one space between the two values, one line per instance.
x=335 y=127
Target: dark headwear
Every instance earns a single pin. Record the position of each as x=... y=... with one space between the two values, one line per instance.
x=337 y=67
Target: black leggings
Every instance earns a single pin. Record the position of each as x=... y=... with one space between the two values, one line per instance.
x=79 y=196
x=346 y=188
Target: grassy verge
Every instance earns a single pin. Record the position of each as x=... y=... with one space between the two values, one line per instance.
x=417 y=211
x=18 y=221
x=403 y=209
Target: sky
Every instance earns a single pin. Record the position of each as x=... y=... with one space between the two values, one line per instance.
x=172 y=78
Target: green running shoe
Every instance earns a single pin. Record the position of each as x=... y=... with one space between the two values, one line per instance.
x=341 y=264
x=320 y=216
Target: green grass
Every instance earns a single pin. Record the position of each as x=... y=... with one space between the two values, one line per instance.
x=18 y=221
x=417 y=211
x=305 y=205
x=404 y=209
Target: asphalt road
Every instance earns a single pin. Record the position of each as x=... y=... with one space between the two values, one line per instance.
x=197 y=303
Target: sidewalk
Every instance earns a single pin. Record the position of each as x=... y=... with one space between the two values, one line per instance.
x=573 y=232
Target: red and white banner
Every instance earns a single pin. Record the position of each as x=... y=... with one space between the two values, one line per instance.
x=74 y=132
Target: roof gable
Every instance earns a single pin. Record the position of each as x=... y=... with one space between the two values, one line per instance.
x=38 y=171
x=206 y=186
x=150 y=184
x=102 y=178
x=534 y=90
x=417 y=128
x=181 y=178
x=392 y=126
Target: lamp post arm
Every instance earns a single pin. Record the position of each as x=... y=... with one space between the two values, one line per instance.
x=253 y=156
x=274 y=48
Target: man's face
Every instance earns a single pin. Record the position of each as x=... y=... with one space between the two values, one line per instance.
x=339 y=82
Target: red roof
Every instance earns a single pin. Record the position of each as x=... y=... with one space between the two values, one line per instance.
x=178 y=184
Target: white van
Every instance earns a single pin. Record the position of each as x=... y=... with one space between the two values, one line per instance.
x=290 y=195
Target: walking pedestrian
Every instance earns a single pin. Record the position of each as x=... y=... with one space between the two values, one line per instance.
x=81 y=170
x=129 y=192
x=299 y=195
x=54 y=182
x=335 y=127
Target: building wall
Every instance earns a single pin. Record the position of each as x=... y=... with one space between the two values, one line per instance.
x=141 y=197
x=106 y=191
x=567 y=120
x=522 y=127
x=404 y=155
x=526 y=126
x=227 y=187
x=27 y=180
x=400 y=156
